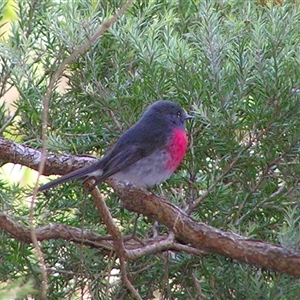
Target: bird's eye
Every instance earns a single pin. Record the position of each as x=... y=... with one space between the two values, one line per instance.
x=179 y=114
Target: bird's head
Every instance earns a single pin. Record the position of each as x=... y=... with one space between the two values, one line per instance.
x=168 y=111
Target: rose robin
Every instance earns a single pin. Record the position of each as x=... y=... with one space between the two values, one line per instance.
x=146 y=154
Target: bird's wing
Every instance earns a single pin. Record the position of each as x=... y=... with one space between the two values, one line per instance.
x=138 y=142
x=123 y=159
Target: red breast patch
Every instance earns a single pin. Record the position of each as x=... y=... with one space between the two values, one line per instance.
x=177 y=149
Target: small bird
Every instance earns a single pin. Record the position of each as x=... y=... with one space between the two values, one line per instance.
x=145 y=155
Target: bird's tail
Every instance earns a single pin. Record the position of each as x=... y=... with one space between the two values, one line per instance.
x=77 y=174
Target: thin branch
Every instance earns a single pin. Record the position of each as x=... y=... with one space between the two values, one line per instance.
x=116 y=234
x=134 y=249
x=8 y=122
x=198 y=201
x=156 y=246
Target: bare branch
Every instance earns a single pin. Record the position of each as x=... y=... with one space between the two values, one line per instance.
x=134 y=248
x=116 y=235
x=26 y=156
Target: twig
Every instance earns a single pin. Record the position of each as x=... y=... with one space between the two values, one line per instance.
x=116 y=234
x=198 y=201
x=38 y=250
x=135 y=226
x=7 y=123
x=197 y=285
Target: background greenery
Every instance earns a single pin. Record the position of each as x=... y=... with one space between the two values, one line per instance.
x=234 y=64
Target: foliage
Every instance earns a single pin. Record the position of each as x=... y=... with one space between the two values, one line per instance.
x=234 y=64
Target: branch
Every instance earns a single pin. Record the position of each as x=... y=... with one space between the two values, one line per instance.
x=55 y=164
x=116 y=235
x=134 y=248
x=207 y=238
x=196 y=234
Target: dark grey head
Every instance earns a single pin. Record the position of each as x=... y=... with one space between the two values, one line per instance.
x=168 y=111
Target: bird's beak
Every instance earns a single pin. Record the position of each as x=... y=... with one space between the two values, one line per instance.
x=188 y=117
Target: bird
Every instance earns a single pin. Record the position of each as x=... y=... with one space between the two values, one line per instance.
x=145 y=155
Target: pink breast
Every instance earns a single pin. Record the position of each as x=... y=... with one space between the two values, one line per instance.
x=177 y=149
